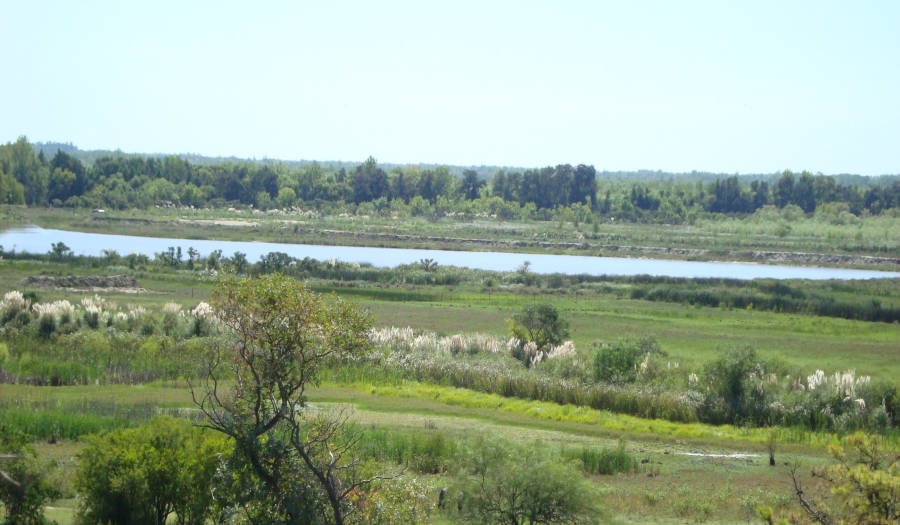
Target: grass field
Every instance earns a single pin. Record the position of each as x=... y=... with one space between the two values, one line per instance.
x=690 y=472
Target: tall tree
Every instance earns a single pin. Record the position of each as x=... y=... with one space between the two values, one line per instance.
x=174 y=169
x=498 y=186
x=434 y=183
x=728 y=196
x=560 y=186
x=804 y=192
x=22 y=163
x=540 y=324
x=264 y=179
x=369 y=182
x=584 y=186
x=63 y=161
x=402 y=184
x=783 y=192
x=24 y=485
x=760 y=191
x=11 y=190
x=470 y=185
x=281 y=334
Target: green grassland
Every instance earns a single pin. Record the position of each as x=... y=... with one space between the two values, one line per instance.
x=688 y=472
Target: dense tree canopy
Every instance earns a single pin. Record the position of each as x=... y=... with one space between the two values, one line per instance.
x=116 y=180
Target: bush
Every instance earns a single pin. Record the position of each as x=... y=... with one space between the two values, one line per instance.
x=737 y=392
x=24 y=487
x=624 y=362
x=507 y=484
x=143 y=475
x=46 y=326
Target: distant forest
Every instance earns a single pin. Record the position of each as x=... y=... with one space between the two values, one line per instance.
x=61 y=175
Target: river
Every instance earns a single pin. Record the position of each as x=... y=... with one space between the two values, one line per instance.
x=39 y=240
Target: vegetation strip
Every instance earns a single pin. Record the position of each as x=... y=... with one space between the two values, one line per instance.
x=615 y=423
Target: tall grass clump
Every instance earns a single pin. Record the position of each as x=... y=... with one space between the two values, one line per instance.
x=426 y=451
x=633 y=377
x=53 y=424
x=95 y=340
x=603 y=461
x=486 y=365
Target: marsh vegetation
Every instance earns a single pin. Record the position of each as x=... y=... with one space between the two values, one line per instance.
x=470 y=395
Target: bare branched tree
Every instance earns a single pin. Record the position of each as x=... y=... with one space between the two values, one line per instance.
x=813 y=510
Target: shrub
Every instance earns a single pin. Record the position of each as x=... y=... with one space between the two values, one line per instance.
x=46 y=326
x=736 y=389
x=511 y=485
x=143 y=475
x=624 y=361
x=24 y=485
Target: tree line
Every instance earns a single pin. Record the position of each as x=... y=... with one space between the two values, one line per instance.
x=118 y=181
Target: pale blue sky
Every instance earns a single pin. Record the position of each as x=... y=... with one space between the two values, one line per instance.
x=724 y=86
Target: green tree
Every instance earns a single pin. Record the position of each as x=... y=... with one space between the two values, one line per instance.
x=286 y=197
x=64 y=161
x=804 y=194
x=863 y=480
x=160 y=191
x=760 y=191
x=148 y=474
x=61 y=185
x=498 y=184
x=21 y=162
x=239 y=263
x=191 y=195
x=281 y=333
x=403 y=183
x=59 y=251
x=619 y=363
x=11 y=190
x=735 y=388
x=584 y=186
x=508 y=485
x=541 y=324
x=783 y=192
x=728 y=196
x=229 y=186
x=434 y=183
x=369 y=182
x=24 y=485
x=470 y=185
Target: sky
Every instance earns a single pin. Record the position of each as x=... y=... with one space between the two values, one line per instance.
x=718 y=86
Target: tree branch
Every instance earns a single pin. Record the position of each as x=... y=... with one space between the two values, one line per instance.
x=816 y=515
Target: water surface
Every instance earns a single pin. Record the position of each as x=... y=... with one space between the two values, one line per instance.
x=39 y=240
